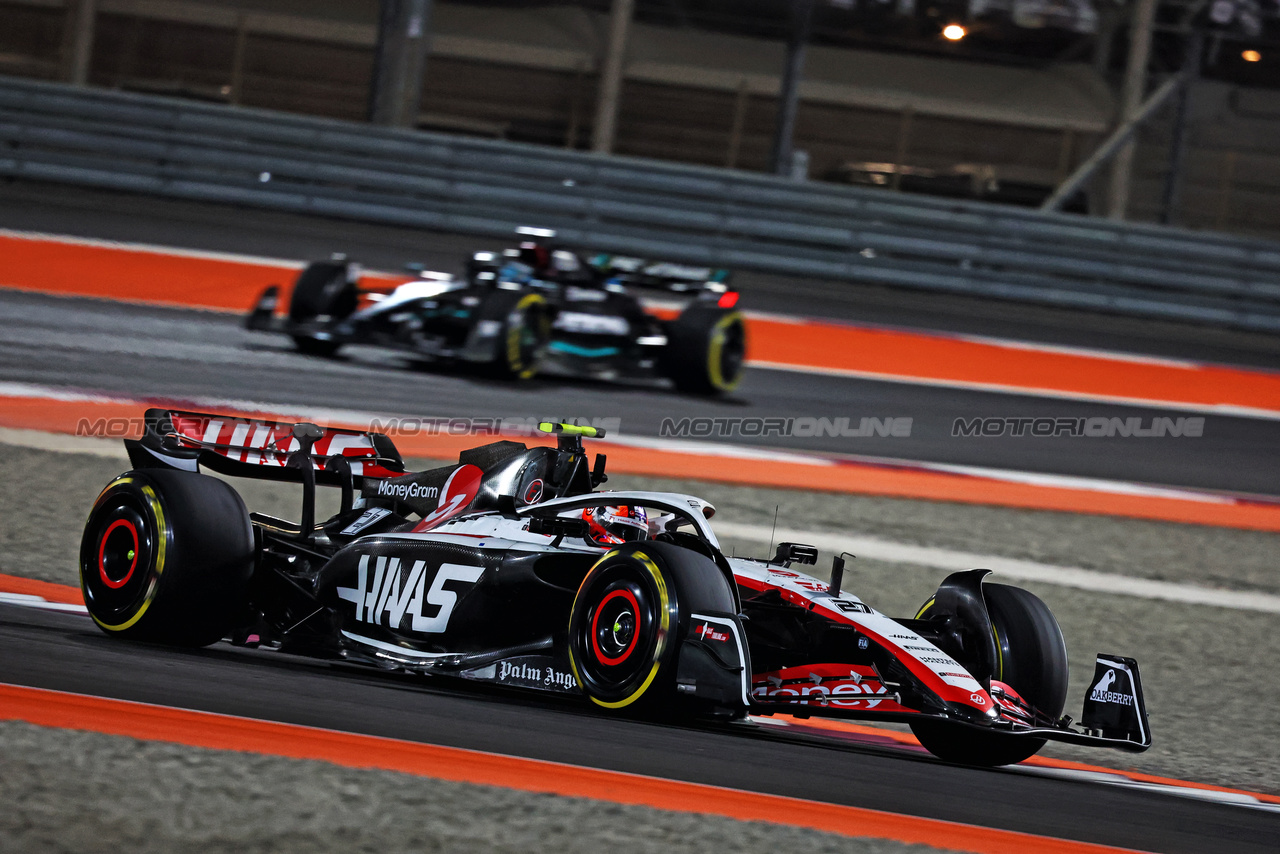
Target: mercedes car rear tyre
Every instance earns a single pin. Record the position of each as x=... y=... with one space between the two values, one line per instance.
x=166 y=556
x=322 y=290
x=1031 y=659
x=706 y=349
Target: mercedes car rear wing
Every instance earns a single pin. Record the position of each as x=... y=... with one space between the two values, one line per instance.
x=687 y=279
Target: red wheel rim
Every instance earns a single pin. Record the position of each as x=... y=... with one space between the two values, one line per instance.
x=102 y=554
x=600 y=654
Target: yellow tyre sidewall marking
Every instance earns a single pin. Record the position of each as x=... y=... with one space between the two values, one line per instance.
x=162 y=537
x=716 y=345
x=517 y=365
x=664 y=631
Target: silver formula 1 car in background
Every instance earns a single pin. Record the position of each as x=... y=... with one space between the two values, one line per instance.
x=529 y=308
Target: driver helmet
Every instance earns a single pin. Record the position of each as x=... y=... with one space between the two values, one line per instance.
x=536 y=256
x=614 y=525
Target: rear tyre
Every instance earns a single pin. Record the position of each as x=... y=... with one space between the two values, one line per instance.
x=165 y=557
x=322 y=291
x=310 y=345
x=706 y=348
x=524 y=330
x=1031 y=659
x=627 y=617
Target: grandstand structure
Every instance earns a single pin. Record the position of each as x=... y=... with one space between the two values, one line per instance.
x=690 y=93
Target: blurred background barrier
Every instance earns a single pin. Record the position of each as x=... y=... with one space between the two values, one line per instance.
x=691 y=214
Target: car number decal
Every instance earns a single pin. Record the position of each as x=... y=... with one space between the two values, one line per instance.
x=459 y=491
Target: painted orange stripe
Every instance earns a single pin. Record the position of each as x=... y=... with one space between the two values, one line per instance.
x=121 y=272
x=130 y=273
x=224 y=732
x=910 y=355
x=46 y=590
x=227 y=283
x=67 y=594
x=37 y=413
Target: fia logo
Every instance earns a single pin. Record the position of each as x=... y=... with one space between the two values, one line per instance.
x=386 y=598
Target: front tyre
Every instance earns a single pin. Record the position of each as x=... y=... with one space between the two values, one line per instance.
x=706 y=349
x=622 y=630
x=165 y=557
x=1031 y=659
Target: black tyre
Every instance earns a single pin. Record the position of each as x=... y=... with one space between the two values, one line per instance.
x=627 y=617
x=165 y=557
x=314 y=346
x=525 y=329
x=1031 y=659
x=705 y=351
x=321 y=291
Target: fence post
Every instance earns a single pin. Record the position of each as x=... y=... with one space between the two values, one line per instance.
x=1135 y=83
x=80 y=22
x=399 y=58
x=610 y=93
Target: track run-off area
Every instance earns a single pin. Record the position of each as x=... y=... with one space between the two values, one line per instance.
x=148 y=325
x=823 y=775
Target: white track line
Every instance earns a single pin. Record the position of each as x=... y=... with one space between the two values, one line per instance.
x=1054 y=481
x=152 y=249
x=1238 y=799
x=952 y=560
x=1230 y=410
x=26 y=601
x=63 y=443
x=363 y=419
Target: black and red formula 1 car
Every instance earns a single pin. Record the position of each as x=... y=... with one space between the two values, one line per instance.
x=512 y=568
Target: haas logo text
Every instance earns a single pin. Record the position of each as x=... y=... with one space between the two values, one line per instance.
x=388 y=595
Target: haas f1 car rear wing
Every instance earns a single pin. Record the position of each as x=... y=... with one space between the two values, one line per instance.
x=255 y=448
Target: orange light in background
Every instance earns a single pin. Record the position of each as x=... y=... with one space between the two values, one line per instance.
x=954 y=32
x=1251 y=56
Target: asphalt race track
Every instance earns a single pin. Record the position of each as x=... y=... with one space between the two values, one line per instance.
x=113 y=348
x=66 y=652
x=82 y=344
